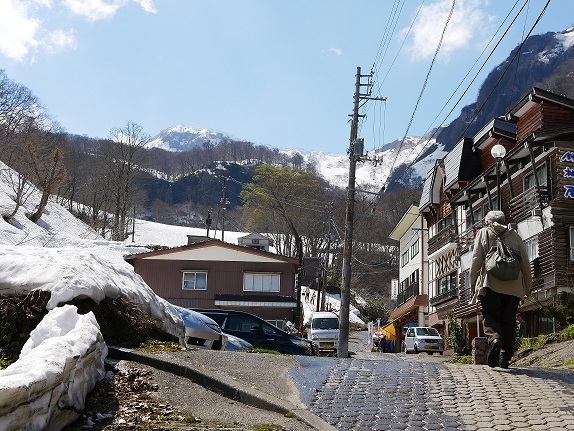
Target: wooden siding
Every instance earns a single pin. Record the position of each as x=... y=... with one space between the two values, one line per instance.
x=543 y=116
x=165 y=278
x=529 y=122
x=486 y=159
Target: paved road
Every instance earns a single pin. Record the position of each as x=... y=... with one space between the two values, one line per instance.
x=384 y=391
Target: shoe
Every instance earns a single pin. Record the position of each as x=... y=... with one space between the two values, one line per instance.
x=503 y=359
x=493 y=358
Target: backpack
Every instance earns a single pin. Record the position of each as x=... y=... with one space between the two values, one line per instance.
x=501 y=261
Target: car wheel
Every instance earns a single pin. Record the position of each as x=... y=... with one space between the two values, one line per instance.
x=440 y=353
x=430 y=353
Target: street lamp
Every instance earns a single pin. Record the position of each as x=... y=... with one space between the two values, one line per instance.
x=498 y=152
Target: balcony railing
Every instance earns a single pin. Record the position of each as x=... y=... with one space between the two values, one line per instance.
x=410 y=291
x=442 y=238
x=444 y=296
x=522 y=205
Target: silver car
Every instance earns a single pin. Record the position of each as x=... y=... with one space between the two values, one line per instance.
x=201 y=331
x=423 y=339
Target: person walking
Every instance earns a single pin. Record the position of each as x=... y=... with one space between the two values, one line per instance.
x=499 y=298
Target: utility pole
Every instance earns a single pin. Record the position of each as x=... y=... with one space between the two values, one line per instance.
x=356 y=147
x=325 y=267
x=208 y=221
x=223 y=203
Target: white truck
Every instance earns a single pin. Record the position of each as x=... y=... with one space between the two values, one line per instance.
x=324 y=330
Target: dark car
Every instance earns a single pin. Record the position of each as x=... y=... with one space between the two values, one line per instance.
x=260 y=333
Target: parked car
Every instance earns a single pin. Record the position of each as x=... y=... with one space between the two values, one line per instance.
x=324 y=330
x=423 y=339
x=201 y=331
x=260 y=333
x=235 y=344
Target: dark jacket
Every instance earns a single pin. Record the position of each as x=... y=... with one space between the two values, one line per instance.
x=479 y=279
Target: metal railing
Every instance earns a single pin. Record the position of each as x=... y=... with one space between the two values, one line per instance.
x=521 y=206
x=442 y=238
x=404 y=295
x=444 y=296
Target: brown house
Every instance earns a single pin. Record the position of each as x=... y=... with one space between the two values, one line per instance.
x=216 y=274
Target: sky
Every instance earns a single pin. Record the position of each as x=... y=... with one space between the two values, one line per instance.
x=275 y=73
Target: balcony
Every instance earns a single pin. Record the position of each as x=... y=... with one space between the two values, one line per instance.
x=444 y=296
x=442 y=238
x=522 y=205
x=404 y=295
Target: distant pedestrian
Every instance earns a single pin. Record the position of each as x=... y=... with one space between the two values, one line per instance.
x=499 y=298
x=313 y=298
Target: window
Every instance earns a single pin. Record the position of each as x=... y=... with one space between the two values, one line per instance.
x=405 y=258
x=531 y=245
x=445 y=222
x=529 y=181
x=261 y=282
x=414 y=249
x=571 y=242
x=194 y=280
x=446 y=283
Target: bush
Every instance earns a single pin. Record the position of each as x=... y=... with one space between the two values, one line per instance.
x=568 y=333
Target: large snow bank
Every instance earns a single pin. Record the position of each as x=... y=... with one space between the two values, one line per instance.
x=58 y=366
x=69 y=273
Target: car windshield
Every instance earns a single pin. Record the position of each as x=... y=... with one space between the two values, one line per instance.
x=326 y=323
x=428 y=331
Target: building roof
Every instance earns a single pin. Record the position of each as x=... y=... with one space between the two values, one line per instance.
x=431 y=193
x=405 y=223
x=537 y=95
x=213 y=250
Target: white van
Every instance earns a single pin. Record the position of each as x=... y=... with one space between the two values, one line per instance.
x=324 y=330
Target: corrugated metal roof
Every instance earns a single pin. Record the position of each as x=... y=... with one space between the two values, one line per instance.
x=452 y=165
x=425 y=199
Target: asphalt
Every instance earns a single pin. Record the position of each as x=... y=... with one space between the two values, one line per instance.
x=369 y=391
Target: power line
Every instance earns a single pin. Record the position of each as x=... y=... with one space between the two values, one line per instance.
x=428 y=142
x=424 y=84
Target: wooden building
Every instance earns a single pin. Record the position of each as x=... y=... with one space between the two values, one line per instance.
x=216 y=274
x=534 y=182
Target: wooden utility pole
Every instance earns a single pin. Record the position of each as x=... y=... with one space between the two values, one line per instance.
x=356 y=147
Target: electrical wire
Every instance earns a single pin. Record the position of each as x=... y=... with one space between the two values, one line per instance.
x=518 y=50
x=436 y=129
x=424 y=84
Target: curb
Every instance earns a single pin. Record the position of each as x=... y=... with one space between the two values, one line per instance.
x=223 y=385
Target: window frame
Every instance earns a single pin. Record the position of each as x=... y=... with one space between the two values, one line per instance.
x=414 y=249
x=274 y=285
x=529 y=177
x=405 y=258
x=571 y=243
x=195 y=272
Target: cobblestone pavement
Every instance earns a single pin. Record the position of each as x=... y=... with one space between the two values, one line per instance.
x=415 y=392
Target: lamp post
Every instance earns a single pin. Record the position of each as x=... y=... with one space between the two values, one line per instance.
x=498 y=152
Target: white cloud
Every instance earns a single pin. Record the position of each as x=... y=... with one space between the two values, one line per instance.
x=95 y=10
x=23 y=32
x=467 y=23
x=338 y=52
x=17 y=29
x=59 y=39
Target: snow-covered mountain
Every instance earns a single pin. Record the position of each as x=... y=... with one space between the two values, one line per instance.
x=185 y=138
x=373 y=170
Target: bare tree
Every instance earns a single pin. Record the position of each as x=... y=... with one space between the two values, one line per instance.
x=49 y=172
x=122 y=158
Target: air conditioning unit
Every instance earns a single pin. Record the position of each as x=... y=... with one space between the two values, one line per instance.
x=536 y=212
